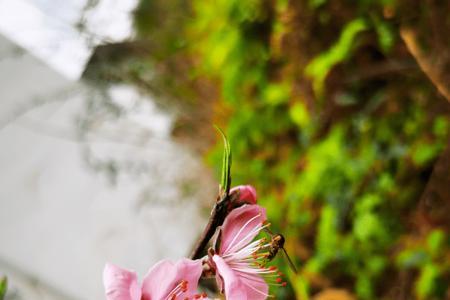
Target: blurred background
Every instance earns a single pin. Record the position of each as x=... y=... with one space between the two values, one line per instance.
x=337 y=112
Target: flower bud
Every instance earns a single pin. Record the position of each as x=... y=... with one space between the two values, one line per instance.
x=247 y=194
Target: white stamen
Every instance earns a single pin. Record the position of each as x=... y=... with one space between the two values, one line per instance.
x=256 y=290
x=255 y=231
x=240 y=230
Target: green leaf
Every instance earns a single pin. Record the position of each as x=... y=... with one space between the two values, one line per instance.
x=411 y=258
x=440 y=126
x=327 y=239
x=364 y=287
x=301 y=287
x=385 y=34
x=321 y=65
x=435 y=242
x=427 y=280
x=275 y=94
x=299 y=114
x=225 y=181
x=3 y=287
x=316 y=3
x=424 y=152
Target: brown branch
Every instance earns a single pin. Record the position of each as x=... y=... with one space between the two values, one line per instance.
x=433 y=68
x=434 y=207
x=223 y=206
x=381 y=69
x=216 y=219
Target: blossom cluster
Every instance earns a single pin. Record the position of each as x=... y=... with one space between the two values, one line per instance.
x=238 y=262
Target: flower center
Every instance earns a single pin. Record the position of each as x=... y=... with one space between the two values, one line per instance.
x=250 y=261
x=179 y=292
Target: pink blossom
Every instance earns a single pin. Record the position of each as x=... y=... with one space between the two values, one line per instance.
x=247 y=194
x=240 y=262
x=165 y=281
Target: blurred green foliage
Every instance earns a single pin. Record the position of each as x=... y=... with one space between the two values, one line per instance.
x=336 y=126
x=320 y=66
x=3 y=287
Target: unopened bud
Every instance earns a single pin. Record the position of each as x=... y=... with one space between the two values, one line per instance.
x=247 y=194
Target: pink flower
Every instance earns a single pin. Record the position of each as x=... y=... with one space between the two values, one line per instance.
x=165 y=281
x=239 y=262
x=247 y=194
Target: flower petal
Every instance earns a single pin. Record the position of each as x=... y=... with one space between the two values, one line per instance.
x=229 y=282
x=247 y=194
x=166 y=275
x=240 y=285
x=240 y=227
x=120 y=284
x=255 y=287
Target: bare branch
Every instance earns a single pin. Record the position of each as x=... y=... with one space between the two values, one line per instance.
x=432 y=65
